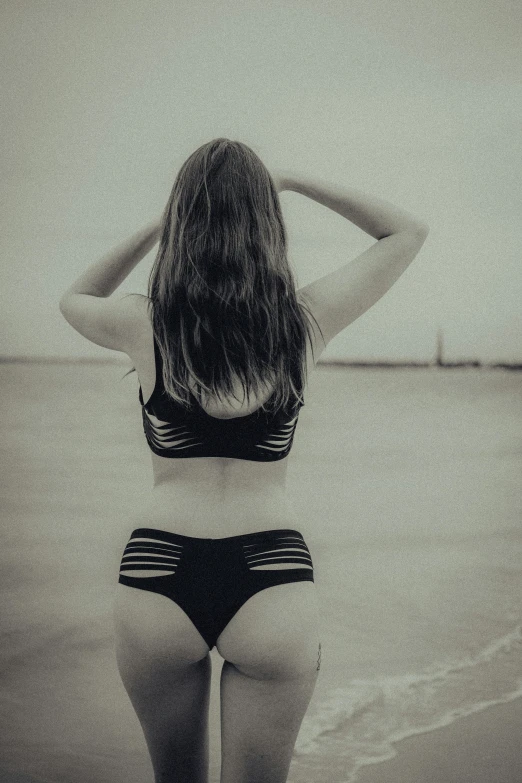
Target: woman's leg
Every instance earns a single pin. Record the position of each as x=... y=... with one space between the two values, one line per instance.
x=165 y=667
x=272 y=658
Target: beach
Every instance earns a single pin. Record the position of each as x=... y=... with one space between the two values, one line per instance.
x=481 y=748
x=407 y=482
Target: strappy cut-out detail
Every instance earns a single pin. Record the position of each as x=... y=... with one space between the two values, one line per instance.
x=166 y=437
x=280 y=438
x=172 y=430
x=278 y=553
x=146 y=557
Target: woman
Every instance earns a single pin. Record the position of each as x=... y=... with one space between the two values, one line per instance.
x=222 y=347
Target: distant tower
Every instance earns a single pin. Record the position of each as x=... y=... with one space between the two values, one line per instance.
x=439 y=360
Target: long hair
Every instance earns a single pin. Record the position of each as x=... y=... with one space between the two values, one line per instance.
x=221 y=292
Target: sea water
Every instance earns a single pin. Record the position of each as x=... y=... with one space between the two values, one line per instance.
x=407 y=484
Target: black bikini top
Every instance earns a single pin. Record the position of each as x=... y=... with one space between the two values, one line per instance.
x=173 y=431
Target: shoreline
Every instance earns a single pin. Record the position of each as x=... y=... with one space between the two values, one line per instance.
x=457 y=364
x=483 y=747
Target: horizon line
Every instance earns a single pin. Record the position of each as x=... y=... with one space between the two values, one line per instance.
x=391 y=363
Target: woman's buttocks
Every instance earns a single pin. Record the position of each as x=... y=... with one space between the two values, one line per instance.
x=216 y=497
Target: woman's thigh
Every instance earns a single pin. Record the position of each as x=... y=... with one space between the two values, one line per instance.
x=166 y=670
x=272 y=652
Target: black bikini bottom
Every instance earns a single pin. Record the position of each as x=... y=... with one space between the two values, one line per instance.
x=211 y=578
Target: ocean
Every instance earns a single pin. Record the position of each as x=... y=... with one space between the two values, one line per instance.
x=407 y=482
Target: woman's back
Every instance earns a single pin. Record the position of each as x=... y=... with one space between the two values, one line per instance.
x=212 y=495
x=222 y=308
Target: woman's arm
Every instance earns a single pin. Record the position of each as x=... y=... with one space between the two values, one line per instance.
x=87 y=306
x=344 y=295
x=374 y=215
x=105 y=275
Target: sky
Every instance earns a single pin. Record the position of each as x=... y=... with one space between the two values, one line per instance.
x=419 y=103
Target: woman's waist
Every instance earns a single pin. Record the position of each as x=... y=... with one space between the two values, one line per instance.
x=212 y=512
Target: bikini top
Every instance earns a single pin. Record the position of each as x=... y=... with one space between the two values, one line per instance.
x=173 y=431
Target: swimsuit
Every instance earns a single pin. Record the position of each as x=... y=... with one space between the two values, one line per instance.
x=211 y=578
x=173 y=431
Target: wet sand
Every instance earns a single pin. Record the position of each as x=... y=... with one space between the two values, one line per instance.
x=480 y=748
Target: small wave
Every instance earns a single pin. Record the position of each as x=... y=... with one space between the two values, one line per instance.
x=446 y=720
x=359 y=723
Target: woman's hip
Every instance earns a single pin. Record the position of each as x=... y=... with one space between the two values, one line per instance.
x=211 y=579
x=212 y=563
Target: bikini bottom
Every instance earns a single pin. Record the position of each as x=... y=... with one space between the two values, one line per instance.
x=211 y=578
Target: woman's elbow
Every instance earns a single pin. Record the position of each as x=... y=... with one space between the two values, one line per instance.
x=423 y=229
